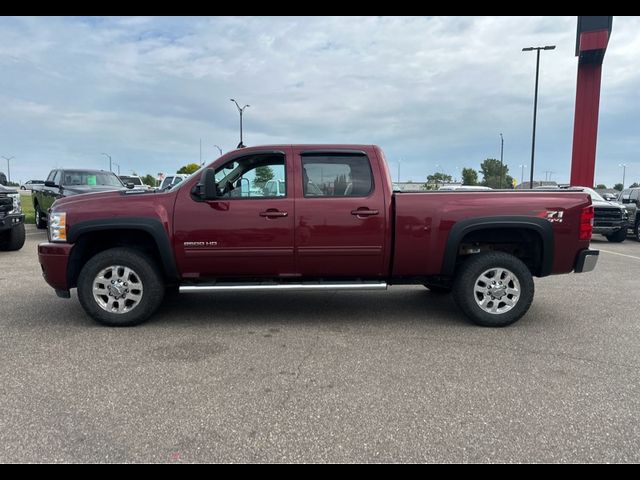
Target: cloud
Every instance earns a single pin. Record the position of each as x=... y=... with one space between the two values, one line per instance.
x=429 y=90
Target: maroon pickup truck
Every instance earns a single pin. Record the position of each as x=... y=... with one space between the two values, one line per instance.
x=311 y=217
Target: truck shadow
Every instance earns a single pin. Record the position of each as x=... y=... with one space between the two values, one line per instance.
x=398 y=305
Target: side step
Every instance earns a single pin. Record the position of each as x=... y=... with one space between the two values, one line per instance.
x=264 y=287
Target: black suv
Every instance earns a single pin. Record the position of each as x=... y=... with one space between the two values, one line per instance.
x=611 y=219
x=12 y=234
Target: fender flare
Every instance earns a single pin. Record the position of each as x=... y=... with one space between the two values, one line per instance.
x=460 y=229
x=148 y=225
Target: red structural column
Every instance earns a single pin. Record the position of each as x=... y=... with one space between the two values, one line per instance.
x=585 y=126
x=592 y=46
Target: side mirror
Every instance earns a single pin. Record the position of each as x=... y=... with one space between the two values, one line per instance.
x=208 y=189
x=130 y=185
x=50 y=184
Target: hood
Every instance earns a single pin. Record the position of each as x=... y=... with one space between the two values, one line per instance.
x=4 y=189
x=81 y=189
x=600 y=204
x=100 y=197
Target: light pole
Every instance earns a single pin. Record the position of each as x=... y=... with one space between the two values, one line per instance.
x=522 y=167
x=8 y=167
x=241 y=111
x=117 y=165
x=219 y=149
x=501 y=155
x=535 y=102
x=107 y=155
x=624 y=172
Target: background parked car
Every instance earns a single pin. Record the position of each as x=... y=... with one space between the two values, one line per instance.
x=630 y=198
x=172 y=180
x=134 y=180
x=609 y=197
x=65 y=183
x=28 y=185
x=611 y=219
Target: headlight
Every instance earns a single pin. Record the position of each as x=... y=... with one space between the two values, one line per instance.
x=17 y=203
x=58 y=227
x=625 y=214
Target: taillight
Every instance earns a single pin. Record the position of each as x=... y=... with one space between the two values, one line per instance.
x=586 y=223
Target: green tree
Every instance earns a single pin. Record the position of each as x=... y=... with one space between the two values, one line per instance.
x=189 y=168
x=469 y=176
x=436 y=180
x=634 y=185
x=618 y=187
x=492 y=174
x=149 y=180
x=263 y=175
x=601 y=186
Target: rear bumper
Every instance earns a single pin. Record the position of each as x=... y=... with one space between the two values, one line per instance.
x=586 y=261
x=54 y=261
x=10 y=221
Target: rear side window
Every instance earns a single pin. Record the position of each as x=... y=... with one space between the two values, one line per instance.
x=336 y=176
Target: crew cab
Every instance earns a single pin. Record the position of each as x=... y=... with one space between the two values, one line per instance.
x=336 y=225
x=63 y=183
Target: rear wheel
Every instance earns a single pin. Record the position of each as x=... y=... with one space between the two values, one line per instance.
x=13 y=239
x=493 y=289
x=120 y=287
x=618 y=236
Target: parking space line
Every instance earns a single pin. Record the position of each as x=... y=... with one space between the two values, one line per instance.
x=620 y=254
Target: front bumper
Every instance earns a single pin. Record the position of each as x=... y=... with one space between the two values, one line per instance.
x=10 y=221
x=54 y=261
x=611 y=227
x=586 y=260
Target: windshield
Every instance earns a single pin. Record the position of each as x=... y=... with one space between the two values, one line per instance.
x=91 y=179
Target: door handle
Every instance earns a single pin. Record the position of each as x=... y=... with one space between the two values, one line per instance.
x=273 y=214
x=364 y=212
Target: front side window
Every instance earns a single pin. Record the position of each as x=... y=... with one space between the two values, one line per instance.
x=254 y=176
x=336 y=176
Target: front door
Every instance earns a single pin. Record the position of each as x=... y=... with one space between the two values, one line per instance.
x=248 y=230
x=340 y=215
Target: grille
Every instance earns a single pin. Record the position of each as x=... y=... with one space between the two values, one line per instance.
x=605 y=216
x=6 y=205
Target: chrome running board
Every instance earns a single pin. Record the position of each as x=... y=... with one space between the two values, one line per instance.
x=265 y=287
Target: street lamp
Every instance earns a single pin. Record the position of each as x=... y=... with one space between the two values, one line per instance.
x=535 y=102
x=107 y=155
x=522 y=167
x=117 y=165
x=241 y=111
x=219 y=149
x=624 y=172
x=501 y=154
x=8 y=167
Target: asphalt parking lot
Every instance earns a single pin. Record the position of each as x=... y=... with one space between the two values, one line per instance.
x=324 y=377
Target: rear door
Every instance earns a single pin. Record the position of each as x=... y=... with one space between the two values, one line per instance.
x=340 y=214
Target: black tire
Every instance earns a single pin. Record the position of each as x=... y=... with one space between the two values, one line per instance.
x=40 y=223
x=13 y=239
x=145 y=273
x=438 y=289
x=468 y=277
x=636 y=231
x=617 y=237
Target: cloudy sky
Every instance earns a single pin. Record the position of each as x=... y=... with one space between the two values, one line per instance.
x=435 y=93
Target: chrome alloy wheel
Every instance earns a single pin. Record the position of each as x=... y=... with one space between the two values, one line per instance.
x=497 y=291
x=117 y=289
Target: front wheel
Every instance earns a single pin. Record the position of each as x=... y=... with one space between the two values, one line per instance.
x=120 y=287
x=618 y=236
x=13 y=239
x=636 y=231
x=40 y=223
x=493 y=289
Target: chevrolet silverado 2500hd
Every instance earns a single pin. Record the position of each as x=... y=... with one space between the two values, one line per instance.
x=335 y=224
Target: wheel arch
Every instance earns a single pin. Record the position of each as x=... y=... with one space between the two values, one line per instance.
x=536 y=228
